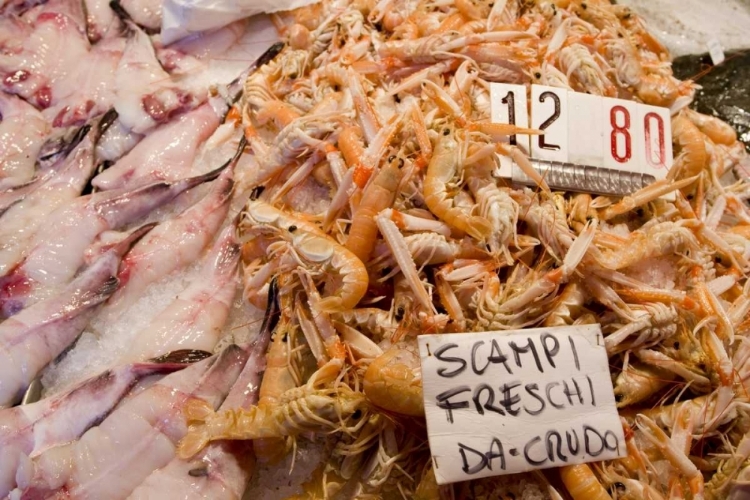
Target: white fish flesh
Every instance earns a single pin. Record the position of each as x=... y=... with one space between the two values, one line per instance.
x=101 y=21
x=165 y=154
x=172 y=245
x=89 y=91
x=37 y=335
x=146 y=95
x=145 y=13
x=222 y=470
x=19 y=223
x=58 y=252
x=138 y=437
x=194 y=320
x=28 y=430
x=52 y=48
x=23 y=131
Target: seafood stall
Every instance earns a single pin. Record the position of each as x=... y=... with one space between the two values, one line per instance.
x=374 y=249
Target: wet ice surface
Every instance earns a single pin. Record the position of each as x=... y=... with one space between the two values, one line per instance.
x=685 y=27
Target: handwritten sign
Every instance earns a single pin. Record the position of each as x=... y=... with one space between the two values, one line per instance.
x=507 y=402
x=590 y=143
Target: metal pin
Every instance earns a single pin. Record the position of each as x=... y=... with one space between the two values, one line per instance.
x=584 y=178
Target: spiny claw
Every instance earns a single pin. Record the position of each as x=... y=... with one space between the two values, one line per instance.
x=643 y=196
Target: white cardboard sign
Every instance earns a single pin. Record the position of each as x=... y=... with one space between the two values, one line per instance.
x=582 y=130
x=507 y=402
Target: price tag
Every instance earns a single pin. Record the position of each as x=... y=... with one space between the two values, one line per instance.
x=508 y=105
x=620 y=124
x=507 y=402
x=549 y=113
x=715 y=51
x=585 y=129
x=655 y=133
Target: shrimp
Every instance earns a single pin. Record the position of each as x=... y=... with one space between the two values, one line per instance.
x=654 y=323
x=394 y=381
x=441 y=170
x=675 y=456
x=299 y=410
x=577 y=63
x=692 y=157
x=657 y=240
x=718 y=131
x=582 y=484
x=638 y=382
x=281 y=375
x=377 y=196
x=310 y=245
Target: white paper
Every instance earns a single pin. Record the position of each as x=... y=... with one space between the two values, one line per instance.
x=549 y=112
x=585 y=129
x=501 y=95
x=715 y=51
x=620 y=141
x=184 y=17
x=545 y=400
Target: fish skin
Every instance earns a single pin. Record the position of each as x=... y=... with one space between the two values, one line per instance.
x=222 y=470
x=194 y=320
x=59 y=249
x=139 y=436
x=172 y=245
x=28 y=430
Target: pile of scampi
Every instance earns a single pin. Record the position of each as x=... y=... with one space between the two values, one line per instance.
x=374 y=214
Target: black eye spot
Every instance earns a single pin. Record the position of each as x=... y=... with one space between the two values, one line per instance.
x=676 y=345
x=357 y=414
x=292 y=75
x=619 y=397
x=391 y=158
x=336 y=88
x=292 y=228
x=385 y=271
x=584 y=6
x=256 y=192
x=639 y=212
x=396 y=98
x=446 y=131
x=691 y=197
x=400 y=163
x=284 y=338
x=537 y=75
x=399 y=314
x=619 y=486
